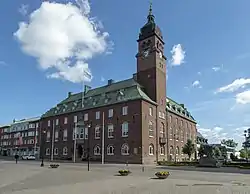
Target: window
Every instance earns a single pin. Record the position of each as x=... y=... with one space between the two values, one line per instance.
x=170 y=119
x=162 y=150
x=171 y=150
x=97 y=115
x=37 y=125
x=97 y=150
x=56 y=151
x=86 y=133
x=125 y=129
x=151 y=149
x=150 y=129
x=82 y=131
x=65 y=151
x=65 y=134
x=86 y=116
x=182 y=135
x=110 y=131
x=125 y=149
x=32 y=125
x=65 y=120
x=177 y=150
x=125 y=110
x=75 y=119
x=47 y=151
x=48 y=123
x=162 y=130
x=56 y=135
x=48 y=136
x=110 y=150
x=97 y=132
x=57 y=121
x=150 y=111
x=111 y=113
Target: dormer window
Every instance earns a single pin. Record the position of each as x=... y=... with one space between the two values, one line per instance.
x=64 y=110
x=55 y=111
x=173 y=107
x=75 y=103
x=94 y=103
x=106 y=100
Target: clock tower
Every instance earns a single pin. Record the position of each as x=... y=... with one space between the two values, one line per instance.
x=151 y=74
x=151 y=61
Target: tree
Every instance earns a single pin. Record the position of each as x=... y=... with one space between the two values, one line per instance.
x=201 y=151
x=188 y=148
x=244 y=153
x=230 y=143
x=217 y=152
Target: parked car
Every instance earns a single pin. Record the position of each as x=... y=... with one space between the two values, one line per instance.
x=28 y=157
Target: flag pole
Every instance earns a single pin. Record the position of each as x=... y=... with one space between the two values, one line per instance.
x=103 y=138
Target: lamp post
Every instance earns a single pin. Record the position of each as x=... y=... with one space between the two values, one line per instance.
x=43 y=143
x=88 y=149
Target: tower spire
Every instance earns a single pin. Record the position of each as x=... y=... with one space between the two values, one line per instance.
x=150 y=13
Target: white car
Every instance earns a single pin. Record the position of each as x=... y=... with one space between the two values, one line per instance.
x=28 y=157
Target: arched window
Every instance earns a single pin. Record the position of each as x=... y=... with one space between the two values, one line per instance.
x=151 y=149
x=182 y=135
x=97 y=150
x=55 y=151
x=162 y=150
x=110 y=150
x=171 y=150
x=150 y=129
x=125 y=149
x=47 y=151
x=177 y=150
x=65 y=151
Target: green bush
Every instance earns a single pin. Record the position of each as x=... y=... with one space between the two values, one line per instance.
x=166 y=163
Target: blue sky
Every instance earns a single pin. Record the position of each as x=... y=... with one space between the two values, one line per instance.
x=210 y=73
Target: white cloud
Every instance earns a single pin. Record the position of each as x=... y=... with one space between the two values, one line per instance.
x=63 y=37
x=243 y=97
x=196 y=84
x=216 y=69
x=235 y=85
x=23 y=9
x=199 y=73
x=178 y=55
x=2 y=63
x=102 y=79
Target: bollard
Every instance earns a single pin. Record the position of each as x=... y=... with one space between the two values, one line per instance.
x=143 y=169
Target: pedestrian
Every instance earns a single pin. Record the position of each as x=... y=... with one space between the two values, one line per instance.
x=16 y=157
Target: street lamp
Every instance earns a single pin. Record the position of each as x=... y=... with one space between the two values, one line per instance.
x=88 y=149
x=43 y=143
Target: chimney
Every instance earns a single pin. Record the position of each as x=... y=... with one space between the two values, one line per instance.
x=110 y=81
x=69 y=94
x=14 y=120
x=182 y=105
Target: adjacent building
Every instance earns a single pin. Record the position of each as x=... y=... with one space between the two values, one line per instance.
x=21 y=137
x=127 y=121
x=200 y=140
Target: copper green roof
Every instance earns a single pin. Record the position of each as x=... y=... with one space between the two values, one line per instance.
x=114 y=93
x=178 y=109
x=122 y=91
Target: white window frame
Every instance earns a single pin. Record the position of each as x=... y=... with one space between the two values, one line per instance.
x=108 y=150
x=97 y=115
x=75 y=118
x=81 y=133
x=123 y=149
x=110 y=131
x=65 y=151
x=56 y=135
x=97 y=131
x=110 y=113
x=86 y=130
x=125 y=129
x=49 y=123
x=47 y=151
x=162 y=150
x=86 y=117
x=48 y=136
x=97 y=147
x=151 y=149
x=57 y=121
x=125 y=110
x=65 y=137
x=150 y=128
x=150 y=111
x=65 y=120
x=56 y=151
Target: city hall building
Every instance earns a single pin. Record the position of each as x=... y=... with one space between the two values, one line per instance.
x=129 y=121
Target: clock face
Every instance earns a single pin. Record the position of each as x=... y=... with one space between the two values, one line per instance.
x=146 y=53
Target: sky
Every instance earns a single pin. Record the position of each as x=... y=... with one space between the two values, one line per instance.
x=46 y=45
